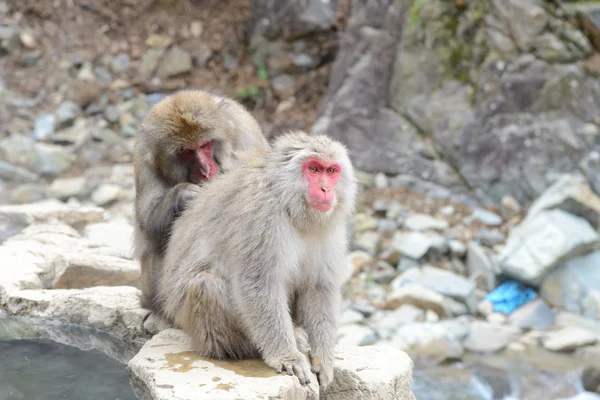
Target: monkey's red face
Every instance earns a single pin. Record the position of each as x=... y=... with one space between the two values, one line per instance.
x=200 y=156
x=322 y=177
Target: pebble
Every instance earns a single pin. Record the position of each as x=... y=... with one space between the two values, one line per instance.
x=368 y=241
x=66 y=114
x=424 y=222
x=120 y=63
x=175 y=62
x=381 y=181
x=569 y=338
x=44 y=127
x=105 y=194
x=485 y=216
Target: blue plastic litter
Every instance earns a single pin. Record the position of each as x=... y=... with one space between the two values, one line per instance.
x=509 y=296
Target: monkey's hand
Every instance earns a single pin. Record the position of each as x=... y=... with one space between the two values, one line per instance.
x=324 y=371
x=185 y=192
x=294 y=363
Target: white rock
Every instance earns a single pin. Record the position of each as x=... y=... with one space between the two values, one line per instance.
x=88 y=270
x=568 y=338
x=113 y=309
x=53 y=209
x=356 y=335
x=67 y=187
x=486 y=337
x=424 y=222
x=115 y=237
x=381 y=181
x=535 y=248
x=418 y=296
x=350 y=316
x=413 y=245
x=167 y=368
x=106 y=193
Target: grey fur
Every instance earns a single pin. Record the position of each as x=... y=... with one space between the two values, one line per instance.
x=251 y=270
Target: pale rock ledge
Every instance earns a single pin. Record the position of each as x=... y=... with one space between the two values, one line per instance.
x=166 y=368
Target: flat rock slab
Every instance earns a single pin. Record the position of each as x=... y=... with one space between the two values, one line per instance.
x=114 y=309
x=168 y=368
x=568 y=339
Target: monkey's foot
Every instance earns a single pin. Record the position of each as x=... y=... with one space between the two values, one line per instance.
x=302 y=341
x=293 y=364
x=324 y=372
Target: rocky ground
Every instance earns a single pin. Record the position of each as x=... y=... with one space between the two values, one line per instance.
x=420 y=269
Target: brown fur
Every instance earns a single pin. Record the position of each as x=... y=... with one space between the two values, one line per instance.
x=162 y=180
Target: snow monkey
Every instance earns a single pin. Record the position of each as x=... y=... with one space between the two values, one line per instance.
x=186 y=139
x=253 y=265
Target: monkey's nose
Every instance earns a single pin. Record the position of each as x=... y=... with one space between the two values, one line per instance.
x=325 y=189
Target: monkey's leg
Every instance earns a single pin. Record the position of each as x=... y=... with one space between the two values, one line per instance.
x=209 y=317
x=317 y=312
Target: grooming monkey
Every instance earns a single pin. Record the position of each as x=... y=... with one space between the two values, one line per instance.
x=186 y=139
x=253 y=265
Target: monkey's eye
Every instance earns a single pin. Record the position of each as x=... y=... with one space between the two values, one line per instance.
x=331 y=170
x=312 y=169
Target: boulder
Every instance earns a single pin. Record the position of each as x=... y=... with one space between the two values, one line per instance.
x=168 y=368
x=112 y=309
x=46 y=210
x=574 y=285
x=571 y=195
x=488 y=337
x=534 y=248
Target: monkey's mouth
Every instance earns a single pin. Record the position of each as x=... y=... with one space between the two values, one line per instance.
x=320 y=205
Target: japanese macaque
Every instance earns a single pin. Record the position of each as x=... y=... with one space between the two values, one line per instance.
x=253 y=265
x=185 y=140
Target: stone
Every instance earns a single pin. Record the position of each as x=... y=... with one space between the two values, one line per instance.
x=533 y=315
x=394 y=211
x=201 y=53
x=568 y=339
x=158 y=41
x=369 y=241
x=356 y=335
x=52 y=160
x=484 y=216
x=457 y=248
x=66 y=114
x=387 y=225
x=116 y=309
x=230 y=62
x=535 y=248
x=424 y=222
x=591 y=305
x=391 y=321
x=448 y=284
x=363 y=222
x=359 y=260
x=381 y=181
x=437 y=341
x=120 y=63
x=196 y=28
x=284 y=85
x=28 y=193
x=496 y=318
x=115 y=237
x=565 y=320
x=175 y=62
x=149 y=62
x=383 y=273
x=485 y=337
x=46 y=210
x=489 y=238
x=571 y=195
x=106 y=194
x=413 y=245
x=11 y=172
x=418 y=296
x=485 y=307
x=590 y=378
x=67 y=187
x=9 y=38
x=89 y=270
x=350 y=316
x=510 y=207
x=167 y=367
x=569 y=284
x=44 y=127
x=480 y=266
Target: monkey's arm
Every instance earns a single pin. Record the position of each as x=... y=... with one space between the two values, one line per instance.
x=261 y=297
x=317 y=311
x=157 y=207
